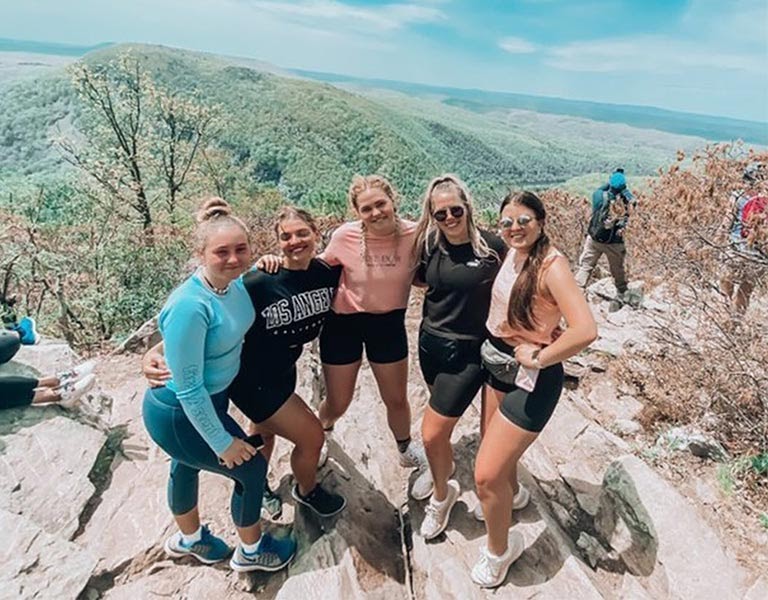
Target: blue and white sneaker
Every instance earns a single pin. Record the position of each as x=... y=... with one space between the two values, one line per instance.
x=208 y=550
x=28 y=331
x=273 y=554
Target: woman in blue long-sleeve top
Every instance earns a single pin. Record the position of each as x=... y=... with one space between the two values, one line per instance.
x=203 y=324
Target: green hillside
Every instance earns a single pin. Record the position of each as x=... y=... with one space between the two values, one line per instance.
x=307 y=139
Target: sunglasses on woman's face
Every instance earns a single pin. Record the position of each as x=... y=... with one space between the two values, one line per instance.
x=456 y=212
x=522 y=221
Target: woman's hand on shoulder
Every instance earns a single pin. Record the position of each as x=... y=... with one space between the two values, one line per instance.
x=269 y=263
x=239 y=451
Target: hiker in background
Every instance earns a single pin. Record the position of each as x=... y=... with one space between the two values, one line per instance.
x=611 y=207
x=203 y=324
x=523 y=355
x=747 y=262
x=291 y=306
x=458 y=263
x=64 y=388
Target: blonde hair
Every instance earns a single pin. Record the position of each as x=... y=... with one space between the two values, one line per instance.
x=428 y=234
x=361 y=183
x=215 y=213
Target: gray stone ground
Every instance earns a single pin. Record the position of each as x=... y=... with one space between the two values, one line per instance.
x=82 y=503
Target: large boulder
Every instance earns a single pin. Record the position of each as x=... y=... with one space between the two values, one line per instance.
x=674 y=551
x=37 y=564
x=47 y=458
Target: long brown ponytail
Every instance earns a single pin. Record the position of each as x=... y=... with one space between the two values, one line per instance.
x=520 y=308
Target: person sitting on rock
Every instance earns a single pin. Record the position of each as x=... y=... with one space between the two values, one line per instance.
x=457 y=263
x=611 y=204
x=203 y=324
x=64 y=389
x=533 y=291
x=291 y=306
x=25 y=327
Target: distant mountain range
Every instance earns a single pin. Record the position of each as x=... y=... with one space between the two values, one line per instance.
x=307 y=138
x=481 y=101
x=9 y=45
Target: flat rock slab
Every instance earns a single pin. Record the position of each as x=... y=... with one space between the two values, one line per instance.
x=36 y=564
x=48 y=357
x=133 y=514
x=45 y=459
x=673 y=552
x=191 y=582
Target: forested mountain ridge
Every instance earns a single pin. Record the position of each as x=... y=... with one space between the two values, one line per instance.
x=306 y=139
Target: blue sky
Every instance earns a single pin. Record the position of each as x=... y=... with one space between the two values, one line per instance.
x=704 y=56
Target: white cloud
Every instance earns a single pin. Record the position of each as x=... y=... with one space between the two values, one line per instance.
x=387 y=17
x=516 y=45
x=650 y=53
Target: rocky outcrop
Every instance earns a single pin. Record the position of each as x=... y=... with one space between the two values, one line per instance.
x=83 y=495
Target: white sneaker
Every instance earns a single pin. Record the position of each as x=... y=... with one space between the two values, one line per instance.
x=519 y=502
x=436 y=514
x=324 y=450
x=424 y=484
x=491 y=571
x=76 y=373
x=72 y=391
x=414 y=456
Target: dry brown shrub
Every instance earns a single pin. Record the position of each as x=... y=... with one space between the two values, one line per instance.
x=708 y=363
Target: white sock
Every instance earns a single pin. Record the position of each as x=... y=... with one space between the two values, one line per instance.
x=192 y=538
x=250 y=548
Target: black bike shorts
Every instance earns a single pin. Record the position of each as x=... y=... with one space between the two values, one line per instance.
x=382 y=335
x=259 y=399
x=453 y=369
x=529 y=410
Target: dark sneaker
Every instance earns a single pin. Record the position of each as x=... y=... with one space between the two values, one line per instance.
x=208 y=550
x=271 y=505
x=323 y=503
x=272 y=554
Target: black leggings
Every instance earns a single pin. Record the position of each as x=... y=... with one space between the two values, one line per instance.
x=16 y=391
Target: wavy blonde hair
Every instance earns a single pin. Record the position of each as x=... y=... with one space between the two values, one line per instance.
x=428 y=234
x=361 y=183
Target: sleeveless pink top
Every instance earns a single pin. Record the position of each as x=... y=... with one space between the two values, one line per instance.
x=546 y=314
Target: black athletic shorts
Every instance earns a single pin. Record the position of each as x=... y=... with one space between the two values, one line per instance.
x=259 y=399
x=383 y=336
x=529 y=410
x=453 y=369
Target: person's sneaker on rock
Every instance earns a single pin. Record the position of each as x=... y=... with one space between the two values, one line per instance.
x=490 y=571
x=320 y=501
x=270 y=554
x=519 y=502
x=271 y=504
x=437 y=513
x=203 y=545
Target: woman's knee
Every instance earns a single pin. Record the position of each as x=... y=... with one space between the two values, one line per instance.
x=433 y=435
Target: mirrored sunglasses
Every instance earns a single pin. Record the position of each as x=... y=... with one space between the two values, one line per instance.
x=522 y=221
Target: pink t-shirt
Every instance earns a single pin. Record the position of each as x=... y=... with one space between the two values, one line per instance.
x=382 y=282
x=546 y=313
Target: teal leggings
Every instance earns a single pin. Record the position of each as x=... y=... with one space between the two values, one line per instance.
x=170 y=429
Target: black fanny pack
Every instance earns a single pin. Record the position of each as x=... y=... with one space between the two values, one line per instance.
x=499 y=364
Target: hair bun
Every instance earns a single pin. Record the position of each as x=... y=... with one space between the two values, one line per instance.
x=213 y=208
